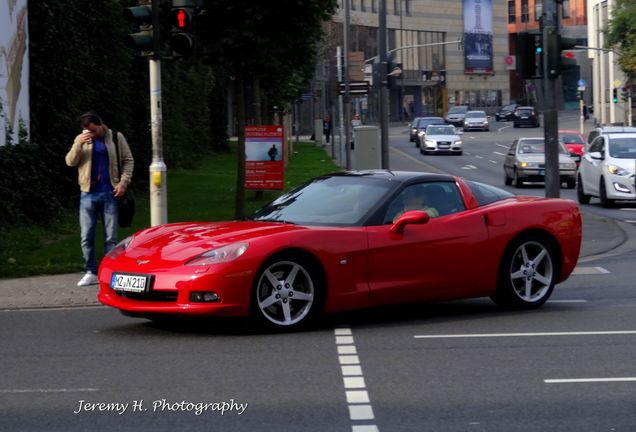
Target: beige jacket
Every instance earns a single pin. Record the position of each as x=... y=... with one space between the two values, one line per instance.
x=80 y=155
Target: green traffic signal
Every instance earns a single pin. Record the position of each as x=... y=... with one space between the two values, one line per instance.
x=615 y=95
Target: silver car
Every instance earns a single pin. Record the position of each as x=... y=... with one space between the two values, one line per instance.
x=525 y=162
x=476 y=120
x=441 y=139
x=456 y=114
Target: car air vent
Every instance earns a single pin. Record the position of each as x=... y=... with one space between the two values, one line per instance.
x=158 y=296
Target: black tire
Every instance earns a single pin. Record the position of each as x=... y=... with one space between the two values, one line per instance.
x=571 y=183
x=507 y=180
x=527 y=273
x=288 y=292
x=516 y=180
x=602 y=194
x=580 y=192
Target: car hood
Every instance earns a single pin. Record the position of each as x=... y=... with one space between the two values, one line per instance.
x=457 y=115
x=442 y=137
x=182 y=241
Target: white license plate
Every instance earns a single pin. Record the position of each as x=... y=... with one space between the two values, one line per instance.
x=129 y=282
x=541 y=172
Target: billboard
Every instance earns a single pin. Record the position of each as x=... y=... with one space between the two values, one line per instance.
x=14 y=70
x=264 y=158
x=478 y=37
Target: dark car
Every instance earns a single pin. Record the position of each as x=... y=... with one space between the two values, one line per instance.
x=525 y=116
x=506 y=112
x=418 y=130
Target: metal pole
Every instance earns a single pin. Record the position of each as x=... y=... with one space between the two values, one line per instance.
x=340 y=105
x=582 y=118
x=384 y=91
x=549 y=26
x=158 y=170
x=347 y=102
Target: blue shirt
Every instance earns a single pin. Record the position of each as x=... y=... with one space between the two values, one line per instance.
x=100 y=178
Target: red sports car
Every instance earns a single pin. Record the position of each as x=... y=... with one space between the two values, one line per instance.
x=574 y=143
x=350 y=240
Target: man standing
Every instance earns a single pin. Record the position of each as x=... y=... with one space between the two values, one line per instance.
x=101 y=181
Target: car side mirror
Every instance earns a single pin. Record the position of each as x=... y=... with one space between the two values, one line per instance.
x=596 y=155
x=460 y=133
x=417 y=217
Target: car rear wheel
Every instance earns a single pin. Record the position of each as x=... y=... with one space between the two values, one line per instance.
x=605 y=201
x=527 y=273
x=507 y=180
x=580 y=192
x=287 y=293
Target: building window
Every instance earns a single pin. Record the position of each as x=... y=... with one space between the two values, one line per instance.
x=373 y=9
x=407 y=7
x=362 y=6
x=512 y=14
x=396 y=7
x=538 y=9
x=565 y=9
x=352 y=4
x=524 y=11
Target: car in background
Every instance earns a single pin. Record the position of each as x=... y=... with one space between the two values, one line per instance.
x=602 y=130
x=344 y=241
x=525 y=162
x=607 y=169
x=419 y=128
x=413 y=129
x=574 y=144
x=525 y=116
x=506 y=112
x=456 y=114
x=476 y=120
x=441 y=139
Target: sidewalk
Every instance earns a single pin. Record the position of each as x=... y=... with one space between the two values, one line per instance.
x=600 y=235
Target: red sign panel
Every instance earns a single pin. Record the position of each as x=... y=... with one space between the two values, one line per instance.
x=264 y=161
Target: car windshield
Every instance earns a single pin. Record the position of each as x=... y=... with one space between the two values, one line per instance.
x=476 y=114
x=425 y=122
x=570 y=138
x=537 y=147
x=330 y=201
x=524 y=112
x=440 y=130
x=458 y=110
x=623 y=148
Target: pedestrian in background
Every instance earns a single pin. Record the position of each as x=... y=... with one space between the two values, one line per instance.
x=326 y=128
x=586 y=114
x=93 y=153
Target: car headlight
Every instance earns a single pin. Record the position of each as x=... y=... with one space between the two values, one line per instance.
x=421 y=133
x=430 y=143
x=529 y=164
x=459 y=142
x=567 y=165
x=413 y=130
x=119 y=248
x=219 y=255
x=616 y=170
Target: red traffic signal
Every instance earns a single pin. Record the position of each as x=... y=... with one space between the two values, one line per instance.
x=182 y=19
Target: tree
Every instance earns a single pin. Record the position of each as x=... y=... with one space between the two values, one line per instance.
x=621 y=32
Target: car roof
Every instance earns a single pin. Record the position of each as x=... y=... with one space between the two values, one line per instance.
x=430 y=118
x=525 y=107
x=615 y=129
x=621 y=135
x=477 y=111
x=400 y=176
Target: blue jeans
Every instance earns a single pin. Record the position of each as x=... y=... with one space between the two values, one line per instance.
x=94 y=206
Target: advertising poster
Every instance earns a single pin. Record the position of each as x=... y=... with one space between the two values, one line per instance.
x=264 y=161
x=478 y=37
x=14 y=70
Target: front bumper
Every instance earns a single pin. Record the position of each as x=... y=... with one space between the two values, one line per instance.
x=620 y=187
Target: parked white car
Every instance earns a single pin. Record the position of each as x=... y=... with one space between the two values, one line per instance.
x=607 y=169
x=441 y=139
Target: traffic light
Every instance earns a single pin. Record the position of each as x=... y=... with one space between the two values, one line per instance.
x=182 y=39
x=558 y=60
x=529 y=52
x=394 y=70
x=625 y=94
x=615 y=95
x=144 y=40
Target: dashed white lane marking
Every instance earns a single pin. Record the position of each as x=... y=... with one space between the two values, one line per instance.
x=589 y=271
x=568 y=301
x=359 y=403
x=469 y=167
x=502 y=335
x=499 y=154
x=588 y=380
x=493 y=161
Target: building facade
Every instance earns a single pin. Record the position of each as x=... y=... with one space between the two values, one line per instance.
x=450 y=53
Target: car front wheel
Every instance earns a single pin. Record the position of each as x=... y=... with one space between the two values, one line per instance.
x=527 y=273
x=580 y=192
x=602 y=192
x=287 y=292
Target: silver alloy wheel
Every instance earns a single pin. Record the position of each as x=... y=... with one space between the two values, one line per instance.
x=285 y=293
x=531 y=271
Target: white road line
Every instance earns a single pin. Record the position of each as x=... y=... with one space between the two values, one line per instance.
x=567 y=301
x=469 y=167
x=582 y=270
x=503 y=146
x=499 y=154
x=62 y=390
x=359 y=403
x=493 y=161
x=478 y=157
x=588 y=380
x=500 y=335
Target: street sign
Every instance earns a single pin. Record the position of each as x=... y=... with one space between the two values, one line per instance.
x=581 y=83
x=355 y=87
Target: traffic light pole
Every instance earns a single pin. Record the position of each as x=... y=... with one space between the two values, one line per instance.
x=384 y=83
x=550 y=25
x=158 y=170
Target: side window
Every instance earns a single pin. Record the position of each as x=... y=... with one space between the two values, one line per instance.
x=436 y=198
x=597 y=145
x=592 y=136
